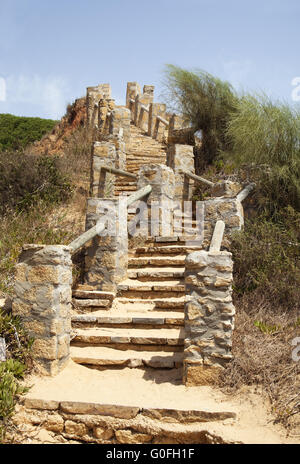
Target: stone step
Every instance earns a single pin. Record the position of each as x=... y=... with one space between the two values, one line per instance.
x=92 y=294
x=129 y=315
x=154 y=304
x=156 y=261
x=90 y=304
x=154 y=251
x=96 y=397
x=129 y=336
x=129 y=188
x=153 y=273
x=176 y=286
x=111 y=357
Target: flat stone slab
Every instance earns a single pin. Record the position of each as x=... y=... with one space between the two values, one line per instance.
x=2 y=349
x=156 y=273
x=130 y=316
x=93 y=294
x=157 y=303
x=119 y=411
x=81 y=390
x=91 y=303
x=130 y=336
x=105 y=356
x=166 y=239
x=156 y=261
x=135 y=285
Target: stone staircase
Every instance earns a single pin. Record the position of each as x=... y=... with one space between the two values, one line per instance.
x=141 y=150
x=143 y=327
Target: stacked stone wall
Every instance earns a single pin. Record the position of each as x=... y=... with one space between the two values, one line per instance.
x=42 y=299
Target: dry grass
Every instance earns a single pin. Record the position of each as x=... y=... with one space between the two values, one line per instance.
x=262 y=353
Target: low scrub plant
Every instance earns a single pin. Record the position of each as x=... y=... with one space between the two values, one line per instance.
x=12 y=371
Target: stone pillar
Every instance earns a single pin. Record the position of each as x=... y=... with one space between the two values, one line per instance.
x=120 y=119
x=209 y=316
x=175 y=123
x=181 y=157
x=102 y=182
x=42 y=300
x=229 y=210
x=133 y=89
x=104 y=110
x=156 y=109
x=160 y=200
x=149 y=90
x=141 y=118
x=106 y=260
x=93 y=96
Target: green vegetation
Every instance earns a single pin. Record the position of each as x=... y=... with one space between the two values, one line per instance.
x=250 y=138
x=13 y=369
x=17 y=132
x=265 y=135
x=206 y=103
x=33 y=189
x=26 y=179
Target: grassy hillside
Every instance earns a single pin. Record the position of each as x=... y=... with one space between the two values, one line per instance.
x=17 y=132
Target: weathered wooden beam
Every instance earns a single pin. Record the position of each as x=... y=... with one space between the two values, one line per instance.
x=245 y=192
x=138 y=195
x=85 y=237
x=2 y=349
x=119 y=172
x=144 y=108
x=197 y=178
x=217 y=237
x=164 y=121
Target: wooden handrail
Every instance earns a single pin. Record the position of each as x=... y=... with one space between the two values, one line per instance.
x=217 y=237
x=97 y=229
x=245 y=192
x=119 y=172
x=164 y=121
x=144 y=108
x=197 y=178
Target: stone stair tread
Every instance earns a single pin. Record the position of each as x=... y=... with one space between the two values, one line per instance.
x=158 y=260
x=163 y=303
x=93 y=294
x=111 y=356
x=130 y=284
x=86 y=303
x=130 y=315
x=156 y=272
x=161 y=336
x=80 y=390
x=168 y=249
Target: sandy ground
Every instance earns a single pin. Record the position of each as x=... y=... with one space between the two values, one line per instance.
x=151 y=388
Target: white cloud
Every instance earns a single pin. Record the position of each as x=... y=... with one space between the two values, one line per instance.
x=50 y=93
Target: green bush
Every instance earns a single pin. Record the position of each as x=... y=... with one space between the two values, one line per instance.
x=267 y=259
x=206 y=103
x=26 y=179
x=17 y=132
x=12 y=370
x=18 y=228
x=265 y=135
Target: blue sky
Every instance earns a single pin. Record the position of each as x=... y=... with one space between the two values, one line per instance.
x=51 y=50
